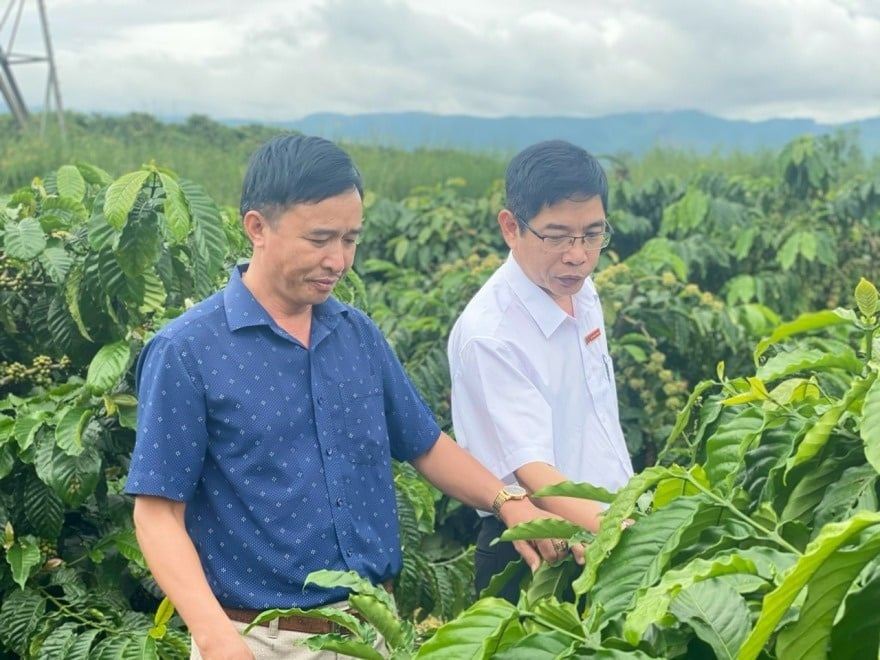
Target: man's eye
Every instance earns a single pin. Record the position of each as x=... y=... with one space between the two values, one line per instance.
x=319 y=242
x=557 y=240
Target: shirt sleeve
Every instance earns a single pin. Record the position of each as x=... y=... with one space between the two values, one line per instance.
x=171 y=436
x=412 y=429
x=498 y=412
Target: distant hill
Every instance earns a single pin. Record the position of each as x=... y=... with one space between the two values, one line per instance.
x=632 y=133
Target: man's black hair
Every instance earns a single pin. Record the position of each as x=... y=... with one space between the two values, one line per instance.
x=294 y=169
x=549 y=172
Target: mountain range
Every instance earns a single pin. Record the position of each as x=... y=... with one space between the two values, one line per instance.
x=632 y=133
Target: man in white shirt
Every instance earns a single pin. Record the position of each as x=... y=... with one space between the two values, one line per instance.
x=533 y=393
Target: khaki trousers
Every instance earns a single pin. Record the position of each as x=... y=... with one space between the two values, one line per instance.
x=269 y=644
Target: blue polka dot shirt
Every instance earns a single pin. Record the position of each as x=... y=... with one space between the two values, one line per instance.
x=282 y=453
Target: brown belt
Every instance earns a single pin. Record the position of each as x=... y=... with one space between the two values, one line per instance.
x=301 y=624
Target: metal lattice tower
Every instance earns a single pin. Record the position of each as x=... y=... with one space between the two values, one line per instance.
x=10 y=22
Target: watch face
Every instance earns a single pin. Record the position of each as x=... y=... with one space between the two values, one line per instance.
x=516 y=491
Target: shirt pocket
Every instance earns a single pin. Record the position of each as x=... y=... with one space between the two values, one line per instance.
x=366 y=434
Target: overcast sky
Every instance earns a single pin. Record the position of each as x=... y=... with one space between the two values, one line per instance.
x=284 y=59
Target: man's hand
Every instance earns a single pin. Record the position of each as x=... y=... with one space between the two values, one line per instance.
x=514 y=512
x=224 y=646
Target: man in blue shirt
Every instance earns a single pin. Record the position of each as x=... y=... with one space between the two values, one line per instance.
x=268 y=417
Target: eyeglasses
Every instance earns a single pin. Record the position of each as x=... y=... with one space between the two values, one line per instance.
x=593 y=240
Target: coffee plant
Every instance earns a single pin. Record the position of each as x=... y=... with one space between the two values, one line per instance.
x=756 y=498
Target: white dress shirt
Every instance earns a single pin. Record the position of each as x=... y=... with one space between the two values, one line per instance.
x=532 y=384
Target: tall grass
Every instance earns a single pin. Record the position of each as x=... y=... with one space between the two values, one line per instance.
x=215 y=155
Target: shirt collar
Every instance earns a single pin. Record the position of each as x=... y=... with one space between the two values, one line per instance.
x=540 y=306
x=243 y=310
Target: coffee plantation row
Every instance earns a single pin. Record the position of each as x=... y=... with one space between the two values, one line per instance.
x=742 y=315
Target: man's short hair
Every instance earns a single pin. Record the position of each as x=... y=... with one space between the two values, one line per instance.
x=549 y=172
x=294 y=169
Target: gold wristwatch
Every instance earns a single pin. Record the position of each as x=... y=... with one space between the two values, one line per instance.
x=509 y=492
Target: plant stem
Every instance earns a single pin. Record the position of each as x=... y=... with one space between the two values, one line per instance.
x=739 y=514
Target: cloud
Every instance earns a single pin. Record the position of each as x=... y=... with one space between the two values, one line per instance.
x=276 y=60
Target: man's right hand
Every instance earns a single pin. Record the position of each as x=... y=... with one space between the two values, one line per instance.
x=532 y=552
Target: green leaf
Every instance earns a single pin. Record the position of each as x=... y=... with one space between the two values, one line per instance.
x=716 y=613
x=807 y=360
x=855 y=490
x=73 y=478
x=349 y=580
x=683 y=418
x=7 y=459
x=645 y=551
x=56 y=262
x=383 y=617
x=68 y=433
x=474 y=634
x=653 y=603
x=810 y=636
x=571 y=489
x=809 y=490
x=21 y=613
x=43 y=508
x=542 y=645
x=138 y=247
x=726 y=446
x=164 y=612
x=59 y=642
x=176 y=209
x=24 y=240
x=23 y=558
x=552 y=580
x=856 y=634
x=400 y=249
x=26 y=427
x=121 y=196
x=94 y=174
x=869 y=428
x=71 y=297
x=621 y=509
x=70 y=182
x=685 y=214
x=778 y=601
x=802 y=324
x=208 y=238
x=108 y=366
x=657 y=255
x=670 y=489
x=541 y=528
x=82 y=644
x=818 y=434
x=130 y=646
x=866 y=298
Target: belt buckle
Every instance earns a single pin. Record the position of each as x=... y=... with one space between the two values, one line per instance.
x=339 y=629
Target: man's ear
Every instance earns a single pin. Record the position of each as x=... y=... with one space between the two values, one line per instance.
x=509 y=227
x=255 y=226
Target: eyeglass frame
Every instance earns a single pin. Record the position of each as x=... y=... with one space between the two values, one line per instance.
x=607 y=234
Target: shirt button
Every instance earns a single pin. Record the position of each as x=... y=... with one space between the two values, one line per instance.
x=349 y=553
x=339 y=501
x=320 y=401
x=329 y=452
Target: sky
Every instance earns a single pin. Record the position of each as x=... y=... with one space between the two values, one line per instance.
x=280 y=60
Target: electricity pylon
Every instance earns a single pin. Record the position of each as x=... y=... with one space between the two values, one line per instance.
x=10 y=21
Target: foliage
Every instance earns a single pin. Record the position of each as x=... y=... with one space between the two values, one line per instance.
x=763 y=487
x=90 y=265
x=761 y=540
